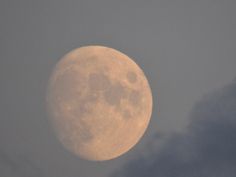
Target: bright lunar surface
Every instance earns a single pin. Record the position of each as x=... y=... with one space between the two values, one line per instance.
x=99 y=102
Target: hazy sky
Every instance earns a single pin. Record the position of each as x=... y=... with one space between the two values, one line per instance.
x=187 y=49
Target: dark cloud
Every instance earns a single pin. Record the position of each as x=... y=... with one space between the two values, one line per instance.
x=18 y=166
x=206 y=149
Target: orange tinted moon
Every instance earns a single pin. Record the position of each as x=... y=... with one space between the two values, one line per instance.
x=99 y=102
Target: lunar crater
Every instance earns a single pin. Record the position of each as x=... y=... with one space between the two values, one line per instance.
x=98 y=82
x=87 y=62
x=132 y=77
x=135 y=97
x=126 y=114
x=114 y=94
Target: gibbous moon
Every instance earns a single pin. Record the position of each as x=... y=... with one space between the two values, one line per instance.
x=99 y=102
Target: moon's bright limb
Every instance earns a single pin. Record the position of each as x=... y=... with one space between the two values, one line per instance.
x=99 y=102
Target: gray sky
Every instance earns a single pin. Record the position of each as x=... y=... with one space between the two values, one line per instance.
x=186 y=48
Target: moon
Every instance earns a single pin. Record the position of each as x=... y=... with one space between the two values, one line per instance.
x=99 y=102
